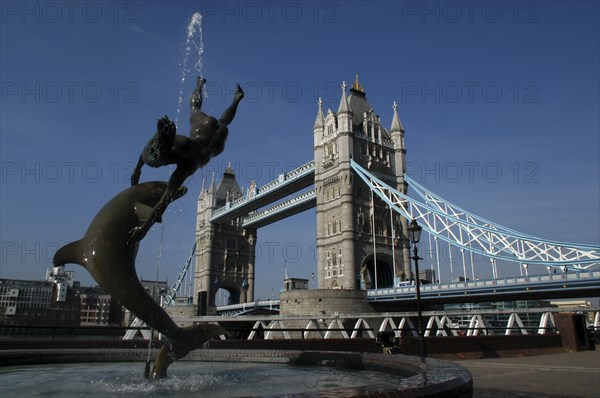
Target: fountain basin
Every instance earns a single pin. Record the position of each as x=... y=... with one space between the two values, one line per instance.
x=386 y=375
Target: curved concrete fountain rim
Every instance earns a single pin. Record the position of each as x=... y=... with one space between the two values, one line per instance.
x=433 y=377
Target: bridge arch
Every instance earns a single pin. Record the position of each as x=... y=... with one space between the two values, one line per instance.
x=385 y=271
x=230 y=294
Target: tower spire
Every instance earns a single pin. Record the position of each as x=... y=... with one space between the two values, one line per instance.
x=320 y=120
x=211 y=188
x=229 y=170
x=357 y=87
x=396 y=124
x=343 y=108
x=203 y=189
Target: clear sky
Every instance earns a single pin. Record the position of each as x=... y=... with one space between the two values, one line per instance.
x=499 y=100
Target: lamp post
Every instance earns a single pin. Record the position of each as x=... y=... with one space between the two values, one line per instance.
x=414 y=234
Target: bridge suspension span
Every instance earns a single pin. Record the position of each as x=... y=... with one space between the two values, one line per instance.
x=469 y=232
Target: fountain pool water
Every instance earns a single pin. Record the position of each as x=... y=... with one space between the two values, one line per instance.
x=186 y=379
x=230 y=373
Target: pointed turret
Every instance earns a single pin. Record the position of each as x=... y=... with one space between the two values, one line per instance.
x=228 y=188
x=202 y=190
x=397 y=136
x=319 y=127
x=320 y=120
x=209 y=195
x=396 y=124
x=344 y=113
x=211 y=187
x=343 y=108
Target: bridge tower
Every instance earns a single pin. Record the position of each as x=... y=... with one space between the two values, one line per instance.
x=347 y=215
x=225 y=253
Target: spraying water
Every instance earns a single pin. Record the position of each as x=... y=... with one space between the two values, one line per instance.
x=194 y=46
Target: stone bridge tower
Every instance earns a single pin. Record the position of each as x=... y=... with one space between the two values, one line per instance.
x=348 y=218
x=225 y=253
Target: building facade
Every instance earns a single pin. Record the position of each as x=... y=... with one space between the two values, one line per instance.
x=97 y=308
x=225 y=253
x=36 y=303
x=57 y=302
x=361 y=244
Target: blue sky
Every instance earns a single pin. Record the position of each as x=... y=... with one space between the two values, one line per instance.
x=499 y=100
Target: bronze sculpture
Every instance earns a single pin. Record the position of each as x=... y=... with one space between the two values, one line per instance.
x=105 y=253
x=110 y=244
x=206 y=139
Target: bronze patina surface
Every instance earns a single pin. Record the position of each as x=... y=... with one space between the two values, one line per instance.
x=206 y=139
x=105 y=253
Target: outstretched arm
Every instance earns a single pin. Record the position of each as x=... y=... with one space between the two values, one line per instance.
x=137 y=172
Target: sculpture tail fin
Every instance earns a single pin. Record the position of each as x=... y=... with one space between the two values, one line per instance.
x=194 y=337
x=68 y=254
x=186 y=340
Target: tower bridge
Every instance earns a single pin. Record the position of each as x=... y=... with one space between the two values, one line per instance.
x=357 y=184
x=255 y=198
x=285 y=209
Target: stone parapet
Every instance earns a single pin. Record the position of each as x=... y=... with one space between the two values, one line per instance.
x=324 y=302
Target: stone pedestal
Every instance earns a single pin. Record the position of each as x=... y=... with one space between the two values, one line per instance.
x=182 y=311
x=324 y=306
x=324 y=302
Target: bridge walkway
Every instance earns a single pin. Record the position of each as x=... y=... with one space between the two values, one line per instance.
x=287 y=184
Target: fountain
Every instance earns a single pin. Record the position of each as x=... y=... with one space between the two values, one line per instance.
x=194 y=44
x=188 y=378
x=234 y=373
x=109 y=247
x=108 y=251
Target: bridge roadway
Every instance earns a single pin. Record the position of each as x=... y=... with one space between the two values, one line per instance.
x=286 y=184
x=551 y=286
x=285 y=209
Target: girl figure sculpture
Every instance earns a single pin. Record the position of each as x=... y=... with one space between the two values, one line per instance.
x=206 y=139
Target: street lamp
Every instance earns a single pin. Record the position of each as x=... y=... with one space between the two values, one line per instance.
x=414 y=234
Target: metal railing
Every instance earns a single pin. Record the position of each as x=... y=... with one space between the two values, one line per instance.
x=499 y=282
x=530 y=321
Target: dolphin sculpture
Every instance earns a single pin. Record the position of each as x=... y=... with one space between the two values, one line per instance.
x=105 y=252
